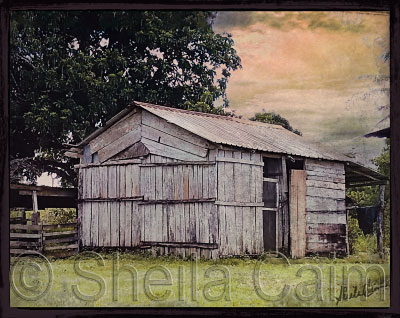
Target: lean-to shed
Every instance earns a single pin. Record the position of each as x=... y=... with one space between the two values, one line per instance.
x=179 y=181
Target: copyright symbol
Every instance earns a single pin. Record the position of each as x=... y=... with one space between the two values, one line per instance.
x=31 y=277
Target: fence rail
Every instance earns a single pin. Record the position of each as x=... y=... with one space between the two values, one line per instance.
x=47 y=238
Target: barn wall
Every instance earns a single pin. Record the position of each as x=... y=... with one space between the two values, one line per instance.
x=150 y=210
x=239 y=202
x=326 y=229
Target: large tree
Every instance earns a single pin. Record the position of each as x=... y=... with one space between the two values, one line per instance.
x=70 y=71
x=276 y=119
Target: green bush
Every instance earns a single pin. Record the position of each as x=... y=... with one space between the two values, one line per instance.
x=358 y=241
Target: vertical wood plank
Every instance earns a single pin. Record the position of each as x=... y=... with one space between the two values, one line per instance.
x=158 y=229
x=222 y=229
x=136 y=182
x=122 y=224
x=246 y=230
x=212 y=181
x=137 y=225
x=239 y=229
x=297 y=212
x=80 y=204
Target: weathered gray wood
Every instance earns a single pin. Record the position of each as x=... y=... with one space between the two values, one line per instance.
x=136 y=150
x=248 y=204
x=172 y=141
x=87 y=155
x=108 y=163
x=247 y=227
x=95 y=182
x=112 y=182
x=25 y=227
x=86 y=223
x=220 y=187
x=186 y=232
x=115 y=225
x=326 y=185
x=212 y=193
x=297 y=202
x=176 y=163
x=323 y=228
x=324 y=163
x=102 y=222
x=237 y=160
x=25 y=235
x=168 y=183
x=324 y=204
x=259 y=229
x=152 y=185
x=321 y=169
x=327 y=173
x=123 y=224
x=136 y=224
x=258 y=177
x=239 y=229
x=192 y=223
x=135 y=179
x=94 y=226
x=120 y=144
x=170 y=152
x=328 y=217
x=121 y=128
x=325 y=193
x=61 y=247
x=327 y=178
x=34 y=202
x=222 y=230
x=55 y=234
x=151 y=120
x=180 y=244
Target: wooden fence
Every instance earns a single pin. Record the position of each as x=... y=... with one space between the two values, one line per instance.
x=46 y=238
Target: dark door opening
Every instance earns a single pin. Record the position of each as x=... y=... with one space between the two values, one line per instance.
x=272 y=172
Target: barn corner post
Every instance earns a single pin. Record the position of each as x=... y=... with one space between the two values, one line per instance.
x=379 y=221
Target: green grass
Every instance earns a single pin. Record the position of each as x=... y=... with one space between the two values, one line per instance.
x=235 y=289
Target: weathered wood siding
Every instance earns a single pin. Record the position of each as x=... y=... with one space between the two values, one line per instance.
x=157 y=203
x=325 y=206
x=239 y=202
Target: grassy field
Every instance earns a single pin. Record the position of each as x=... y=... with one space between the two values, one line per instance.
x=171 y=282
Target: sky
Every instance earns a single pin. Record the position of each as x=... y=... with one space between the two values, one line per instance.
x=322 y=71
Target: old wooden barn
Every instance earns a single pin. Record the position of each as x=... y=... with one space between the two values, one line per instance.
x=178 y=181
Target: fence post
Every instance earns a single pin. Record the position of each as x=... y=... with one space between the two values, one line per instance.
x=35 y=215
x=41 y=237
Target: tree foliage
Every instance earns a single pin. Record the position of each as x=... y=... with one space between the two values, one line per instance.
x=272 y=118
x=70 y=71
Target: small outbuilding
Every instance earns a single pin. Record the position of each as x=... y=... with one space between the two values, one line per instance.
x=179 y=181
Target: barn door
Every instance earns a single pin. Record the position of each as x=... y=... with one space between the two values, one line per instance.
x=270 y=211
x=297 y=208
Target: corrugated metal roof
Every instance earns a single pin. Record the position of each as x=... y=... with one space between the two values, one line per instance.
x=242 y=133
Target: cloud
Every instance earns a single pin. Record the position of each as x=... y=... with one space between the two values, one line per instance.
x=345 y=21
x=316 y=69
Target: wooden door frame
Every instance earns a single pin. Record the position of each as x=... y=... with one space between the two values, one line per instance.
x=276 y=210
